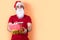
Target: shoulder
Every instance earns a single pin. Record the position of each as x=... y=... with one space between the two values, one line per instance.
x=27 y=16
x=12 y=16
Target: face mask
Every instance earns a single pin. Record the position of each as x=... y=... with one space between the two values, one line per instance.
x=20 y=12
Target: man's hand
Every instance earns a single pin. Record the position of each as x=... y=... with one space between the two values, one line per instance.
x=23 y=30
x=9 y=27
x=29 y=26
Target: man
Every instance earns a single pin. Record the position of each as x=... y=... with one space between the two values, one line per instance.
x=22 y=18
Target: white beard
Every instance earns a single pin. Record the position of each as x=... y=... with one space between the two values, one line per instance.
x=20 y=13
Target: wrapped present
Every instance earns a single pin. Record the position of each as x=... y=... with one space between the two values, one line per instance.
x=21 y=31
x=16 y=28
x=13 y=27
x=15 y=32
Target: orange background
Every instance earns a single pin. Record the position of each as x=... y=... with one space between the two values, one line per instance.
x=45 y=15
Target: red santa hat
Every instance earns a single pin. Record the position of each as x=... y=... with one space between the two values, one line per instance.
x=18 y=3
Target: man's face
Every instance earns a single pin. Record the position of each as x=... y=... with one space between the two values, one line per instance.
x=19 y=6
x=20 y=10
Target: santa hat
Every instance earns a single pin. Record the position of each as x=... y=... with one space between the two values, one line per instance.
x=18 y=3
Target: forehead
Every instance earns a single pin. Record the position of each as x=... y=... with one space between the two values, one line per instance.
x=18 y=3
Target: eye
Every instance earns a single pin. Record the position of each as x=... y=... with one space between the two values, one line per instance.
x=21 y=6
x=17 y=6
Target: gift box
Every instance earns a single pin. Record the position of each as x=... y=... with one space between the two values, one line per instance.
x=14 y=27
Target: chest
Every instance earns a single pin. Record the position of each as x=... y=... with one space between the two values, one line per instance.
x=15 y=19
x=24 y=20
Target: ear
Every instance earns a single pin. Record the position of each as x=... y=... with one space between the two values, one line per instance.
x=15 y=8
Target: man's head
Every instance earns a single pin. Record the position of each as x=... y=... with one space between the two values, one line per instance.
x=18 y=4
x=19 y=7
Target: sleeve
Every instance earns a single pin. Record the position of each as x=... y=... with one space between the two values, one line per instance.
x=29 y=20
x=10 y=19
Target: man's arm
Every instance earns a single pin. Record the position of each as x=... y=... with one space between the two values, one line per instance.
x=29 y=26
x=9 y=26
x=9 y=23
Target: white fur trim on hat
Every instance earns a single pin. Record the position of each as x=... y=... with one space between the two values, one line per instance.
x=19 y=3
